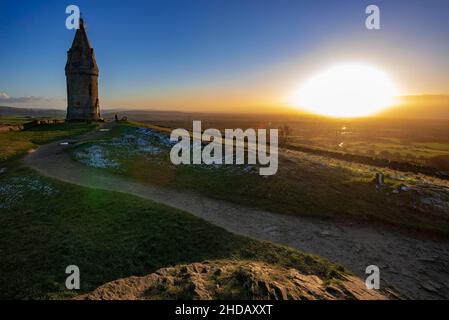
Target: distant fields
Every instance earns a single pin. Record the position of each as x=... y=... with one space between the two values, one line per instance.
x=422 y=142
x=409 y=141
x=432 y=154
x=13 y=144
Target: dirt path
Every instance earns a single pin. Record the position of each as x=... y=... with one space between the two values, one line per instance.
x=416 y=268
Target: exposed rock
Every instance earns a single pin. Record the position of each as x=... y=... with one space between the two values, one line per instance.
x=233 y=280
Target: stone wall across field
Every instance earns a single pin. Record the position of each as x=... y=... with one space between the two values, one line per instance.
x=28 y=125
x=10 y=127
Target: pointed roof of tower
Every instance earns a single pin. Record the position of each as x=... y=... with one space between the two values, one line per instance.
x=81 y=40
x=81 y=57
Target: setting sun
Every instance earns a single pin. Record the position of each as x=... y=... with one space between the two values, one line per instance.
x=346 y=91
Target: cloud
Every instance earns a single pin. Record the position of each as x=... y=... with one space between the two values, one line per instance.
x=5 y=98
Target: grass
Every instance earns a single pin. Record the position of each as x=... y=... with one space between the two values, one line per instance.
x=15 y=144
x=310 y=187
x=12 y=120
x=413 y=152
x=381 y=148
x=110 y=235
x=319 y=195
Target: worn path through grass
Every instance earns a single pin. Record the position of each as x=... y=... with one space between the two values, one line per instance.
x=16 y=143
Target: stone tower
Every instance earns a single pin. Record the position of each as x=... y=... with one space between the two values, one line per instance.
x=81 y=72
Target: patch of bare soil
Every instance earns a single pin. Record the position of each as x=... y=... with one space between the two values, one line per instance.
x=241 y=280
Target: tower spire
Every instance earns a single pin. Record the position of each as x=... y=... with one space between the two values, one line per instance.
x=81 y=40
x=81 y=20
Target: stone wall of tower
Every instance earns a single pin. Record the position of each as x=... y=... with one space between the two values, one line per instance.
x=82 y=97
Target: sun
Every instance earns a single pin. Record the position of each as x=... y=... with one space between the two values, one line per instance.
x=349 y=90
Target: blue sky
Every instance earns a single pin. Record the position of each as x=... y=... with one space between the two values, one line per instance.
x=210 y=53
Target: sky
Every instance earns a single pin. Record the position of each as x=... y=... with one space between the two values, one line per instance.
x=217 y=55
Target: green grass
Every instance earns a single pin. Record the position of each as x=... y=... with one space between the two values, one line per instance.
x=14 y=120
x=14 y=144
x=333 y=190
x=380 y=147
x=329 y=196
x=411 y=152
x=110 y=235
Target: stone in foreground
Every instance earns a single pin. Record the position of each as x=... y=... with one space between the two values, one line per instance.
x=238 y=280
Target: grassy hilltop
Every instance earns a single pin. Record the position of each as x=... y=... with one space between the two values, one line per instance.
x=47 y=225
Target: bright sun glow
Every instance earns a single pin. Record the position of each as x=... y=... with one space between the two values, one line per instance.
x=346 y=91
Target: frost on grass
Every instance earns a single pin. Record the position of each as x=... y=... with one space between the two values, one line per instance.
x=133 y=144
x=94 y=156
x=108 y=153
x=153 y=145
x=140 y=141
x=160 y=138
x=15 y=189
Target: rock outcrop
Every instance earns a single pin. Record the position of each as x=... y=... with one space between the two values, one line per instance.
x=233 y=280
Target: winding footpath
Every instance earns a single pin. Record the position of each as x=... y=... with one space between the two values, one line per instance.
x=416 y=268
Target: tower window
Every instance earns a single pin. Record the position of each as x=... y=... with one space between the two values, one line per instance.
x=90 y=90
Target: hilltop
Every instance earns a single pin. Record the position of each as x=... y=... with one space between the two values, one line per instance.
x=31 y=112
